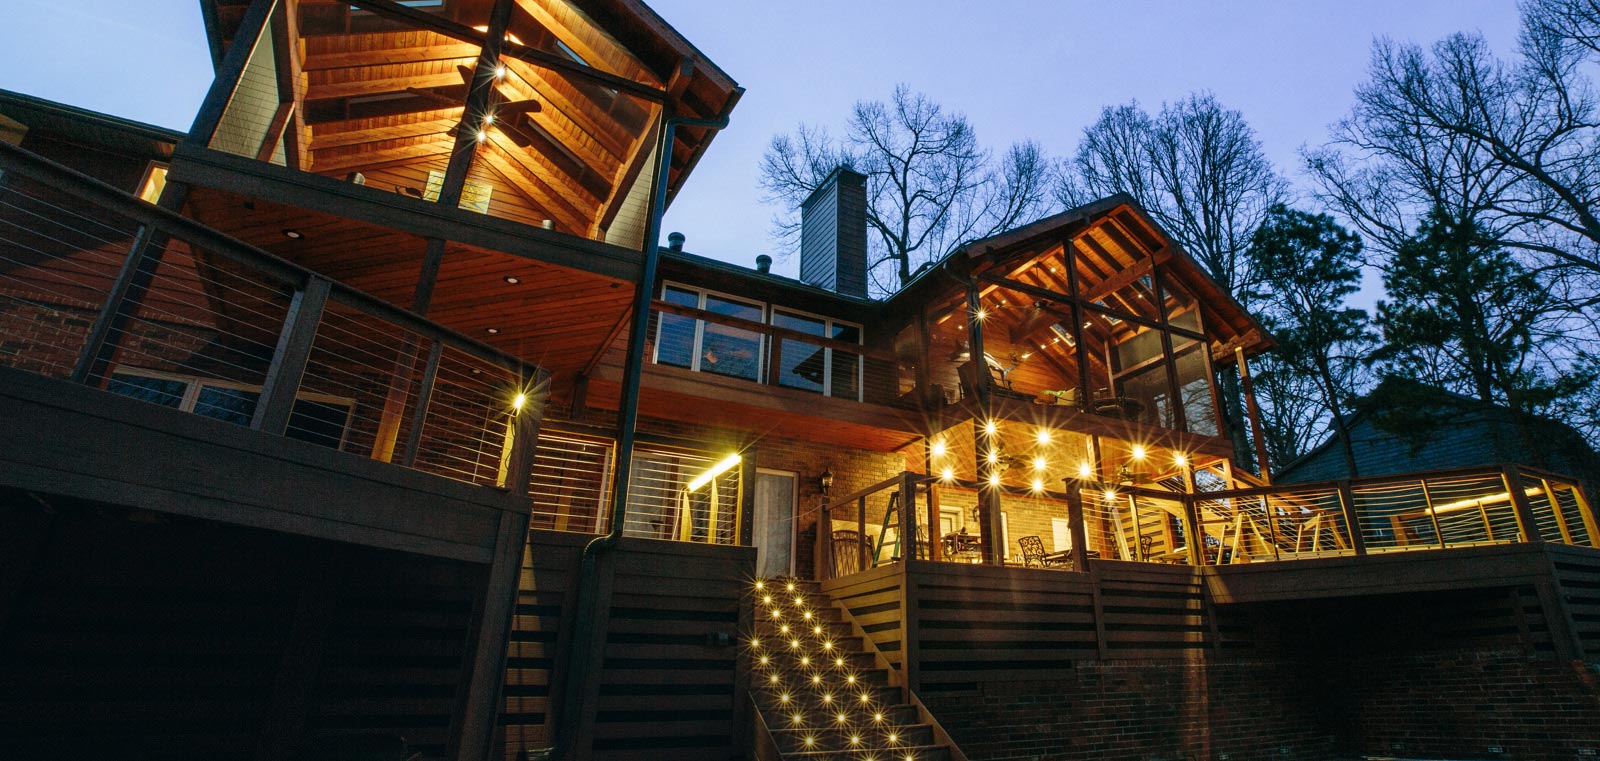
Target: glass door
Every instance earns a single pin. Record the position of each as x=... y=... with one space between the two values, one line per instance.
x=774 y=522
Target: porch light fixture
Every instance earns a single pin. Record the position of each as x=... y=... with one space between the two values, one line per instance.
x=991 y=428
x=1084 y=471
x=825 y=481
x=981 y=314
x=721 y=467
x=1039 y=463
x=1044 y=436
x=1111 y=496
x=1180 y=461
x=993 y=457
x=512 y=279
x=293 y=234
x=520 y=400
x=994 y=479
x=938 y=448
x=500 y=72
x=482 y=136
x=948 y=474
x=1038 y=484
x=1138 y=451
x=492 y=331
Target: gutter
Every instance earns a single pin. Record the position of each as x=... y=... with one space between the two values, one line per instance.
x=587 y=608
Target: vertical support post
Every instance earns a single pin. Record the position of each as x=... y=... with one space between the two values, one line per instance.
x=1069 y=254
x=127 y=292
x=861 y=535
x=525 y=439
x=1555 y=507
x=989 y=527
x=1272 y=524
x=908 y=516
x=289 y=359
x=744 y=516
x=1138 y=528
x=824 y=558
x=1075 y=527
x=910 y=626
x=1180 y=416
x=478 y=704
x=1191 y=514
x=1587 y=512
x=935 y=545
x=1352 y=521
x=1256 y=430
x=419 y=416
x=1427 y=500
x=1512 y=476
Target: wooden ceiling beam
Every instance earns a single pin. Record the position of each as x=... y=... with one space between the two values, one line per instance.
x=576 y=130
x=455 y=51
x=449 y=28
x=548 y=177
x=578 y=32
x=321 y=141
x=589 y=122
x=385 y=86
x=499 y=153
x=432 y=149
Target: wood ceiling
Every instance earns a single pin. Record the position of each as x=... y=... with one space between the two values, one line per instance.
x=384 y=97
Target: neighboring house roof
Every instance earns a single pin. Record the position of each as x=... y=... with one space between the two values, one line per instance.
x=1463 y=432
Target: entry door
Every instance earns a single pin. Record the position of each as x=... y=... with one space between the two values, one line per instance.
x=774 y=522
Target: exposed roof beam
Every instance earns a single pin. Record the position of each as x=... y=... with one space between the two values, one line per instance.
x=580 y=38
x=502 y=155
x=455 y=51
x=533 y=56
x=321 y=140
x=359 y=87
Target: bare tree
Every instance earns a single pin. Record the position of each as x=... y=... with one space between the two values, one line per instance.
x=931 y=186
x=1196 y=167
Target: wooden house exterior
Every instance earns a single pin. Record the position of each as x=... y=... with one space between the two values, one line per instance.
x=368 y=419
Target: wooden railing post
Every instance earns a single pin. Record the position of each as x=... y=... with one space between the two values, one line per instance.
x=289 y=359
x=861 y=535
x=1512 y=476
x=824 y=558
x=935 y=543
x=1080 y=535
x=1555 y=509
x=1586 y=511
x=908 y=513
x=525 y=439
x=419 y=414
x=1427 y=500
x=1352 y=521
x=1191 y=516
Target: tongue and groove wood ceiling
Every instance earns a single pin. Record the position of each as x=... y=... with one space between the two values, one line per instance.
x=383 y=97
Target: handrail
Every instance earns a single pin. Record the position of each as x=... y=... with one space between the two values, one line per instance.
x=27 y=164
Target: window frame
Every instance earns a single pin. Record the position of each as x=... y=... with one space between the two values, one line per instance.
x=195 y=384
x=697 y=347
x=828 y=324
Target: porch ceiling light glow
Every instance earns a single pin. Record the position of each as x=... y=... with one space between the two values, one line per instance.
x=1138 y=451
x=1043 y=436
x=722 y=466
x=293 y=234
x=519 y=401
x=991 y=427
x=981 y=314
x=1110 y=495
x=1038 y=484
x=1179 y=460
x=938 y=448
x=993 y=457
x=994 y=479
x=1084 y=471
x=1039 y=463
x=948 y=474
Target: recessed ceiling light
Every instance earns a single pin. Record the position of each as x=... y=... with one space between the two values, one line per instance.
x=513 y=279
x=493 y=331
x=293 y=234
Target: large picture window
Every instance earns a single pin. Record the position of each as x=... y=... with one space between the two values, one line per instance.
x=709 y=346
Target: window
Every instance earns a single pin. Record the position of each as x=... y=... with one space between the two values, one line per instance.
x=811 y=367
x=474 y=195
x=710 y=347
x=316 y=418
x=155 y=181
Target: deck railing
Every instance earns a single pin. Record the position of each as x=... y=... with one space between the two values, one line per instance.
x=1431 y=510
x=103 y=289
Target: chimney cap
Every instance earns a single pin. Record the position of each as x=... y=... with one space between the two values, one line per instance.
x=675 y=241
x=763 y=264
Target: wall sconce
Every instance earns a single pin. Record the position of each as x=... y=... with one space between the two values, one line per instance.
x=825 y=481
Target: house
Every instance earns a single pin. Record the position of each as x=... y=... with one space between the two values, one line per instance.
x=367 y=419
x=1404 y=427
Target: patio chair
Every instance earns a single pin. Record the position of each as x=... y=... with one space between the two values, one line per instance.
x=846 y=552
x=1147 y=545
x=1033 y=552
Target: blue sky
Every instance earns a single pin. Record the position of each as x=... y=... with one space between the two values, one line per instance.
x=1017 y=69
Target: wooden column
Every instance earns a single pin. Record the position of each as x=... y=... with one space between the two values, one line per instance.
x=1587 y=512
x=1256 y=430
x=478 y=698
x=1512 y=476
x=1191 y=514
x=1347 y=503
x=935 y=545
x=1079 y=532
x=989 y=525
x=289 y=359
x=824 y=553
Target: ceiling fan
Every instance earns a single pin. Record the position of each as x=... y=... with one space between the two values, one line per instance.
x=504 y=113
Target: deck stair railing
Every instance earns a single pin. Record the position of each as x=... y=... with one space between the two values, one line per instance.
x=103 y=289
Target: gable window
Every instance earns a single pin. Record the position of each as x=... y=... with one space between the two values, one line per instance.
x=154 y=181
x=474 y=195
x=316 y=418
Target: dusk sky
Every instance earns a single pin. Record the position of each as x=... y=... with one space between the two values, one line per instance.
x=1017 y=69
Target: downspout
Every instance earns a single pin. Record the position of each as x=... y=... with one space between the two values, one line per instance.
x=586 y=608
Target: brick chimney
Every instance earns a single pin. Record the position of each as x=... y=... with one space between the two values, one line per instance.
x=833 y=234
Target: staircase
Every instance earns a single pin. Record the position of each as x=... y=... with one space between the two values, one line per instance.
x=822 y=692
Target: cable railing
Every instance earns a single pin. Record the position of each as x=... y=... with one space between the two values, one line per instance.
x=102 y=289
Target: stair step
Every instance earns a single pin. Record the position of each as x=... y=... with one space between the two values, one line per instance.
x=852 y=738
x=915 y=753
